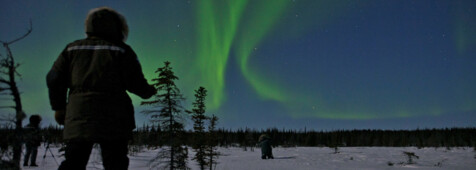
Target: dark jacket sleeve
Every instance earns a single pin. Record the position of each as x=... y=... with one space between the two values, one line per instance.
x=57 y=82
x=136 y=83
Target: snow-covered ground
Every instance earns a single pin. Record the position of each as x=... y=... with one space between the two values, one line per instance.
x=304 y=158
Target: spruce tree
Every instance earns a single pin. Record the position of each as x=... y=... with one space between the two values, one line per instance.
x=212 y=142
x=167 y=112
x=198 y=117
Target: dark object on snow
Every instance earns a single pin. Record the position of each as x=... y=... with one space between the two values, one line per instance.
x=410 y=156
x=266 y=149
x=87 y=85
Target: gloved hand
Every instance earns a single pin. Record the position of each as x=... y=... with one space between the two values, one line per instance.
x=60 y=115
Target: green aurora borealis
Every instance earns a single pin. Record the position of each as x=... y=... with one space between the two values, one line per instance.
x=266 y=16
x=217 y=25
x=218 y=34
x=285 y=63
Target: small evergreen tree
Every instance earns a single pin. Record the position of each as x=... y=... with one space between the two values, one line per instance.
x=212 y=142
x=198 y=117
x=167 y=112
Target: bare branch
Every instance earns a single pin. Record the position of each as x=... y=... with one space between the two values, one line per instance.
x=4 y=72
x=5 y=93
x=7 y=118
x=4 y=81
x=17 y=73
x=7 y=107
x=18 y=39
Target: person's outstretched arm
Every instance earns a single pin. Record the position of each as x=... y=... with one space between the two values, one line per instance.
x=136 y=82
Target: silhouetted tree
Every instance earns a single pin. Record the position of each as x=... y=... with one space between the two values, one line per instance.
x=198 y=118
x=168 y=113
x=8 y=73
x=212 y=142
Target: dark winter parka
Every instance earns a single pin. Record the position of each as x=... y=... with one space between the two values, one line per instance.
x=31 y=135
x=97 y=72
x=265 y=143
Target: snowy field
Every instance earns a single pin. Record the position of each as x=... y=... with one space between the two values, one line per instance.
x=304 y=158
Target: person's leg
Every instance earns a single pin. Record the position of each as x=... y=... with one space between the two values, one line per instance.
x=114 y=155
x=27 y=155
x=76 y=155
x=34 y=152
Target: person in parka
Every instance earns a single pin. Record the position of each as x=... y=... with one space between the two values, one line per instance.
x=266 y=149
x=87 y=89
x=32 y=138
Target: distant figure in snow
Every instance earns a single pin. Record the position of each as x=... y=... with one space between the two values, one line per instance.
x=97 y=70
x=266 y=150
x=32 y=138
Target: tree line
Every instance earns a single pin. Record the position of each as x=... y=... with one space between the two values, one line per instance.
x=154 y=136
x=447 y=137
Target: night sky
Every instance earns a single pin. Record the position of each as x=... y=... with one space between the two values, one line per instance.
x=323 y=65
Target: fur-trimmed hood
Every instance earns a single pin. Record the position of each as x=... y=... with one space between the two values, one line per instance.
x=106 y=23
x=263 y=137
